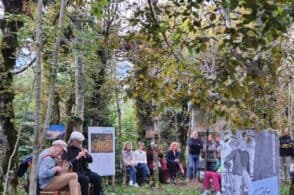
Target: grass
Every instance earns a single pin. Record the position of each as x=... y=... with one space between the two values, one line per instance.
x=147 y=190
x=166 y=189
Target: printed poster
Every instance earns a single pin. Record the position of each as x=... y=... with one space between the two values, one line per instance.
x=250 y=161
x=102 y=148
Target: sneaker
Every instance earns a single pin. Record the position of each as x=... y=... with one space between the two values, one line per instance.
x=136 y=185
x=131 y=183
x=206 y=192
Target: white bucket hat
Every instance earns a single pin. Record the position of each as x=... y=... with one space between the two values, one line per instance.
x=60 y=143
x=75 y=135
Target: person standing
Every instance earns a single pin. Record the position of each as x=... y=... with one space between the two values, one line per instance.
x=241 y=166
x=195 y=145
x=211 y=148
x=285 y=155
x=49 y=170
x=141 y=159
x=80 y=157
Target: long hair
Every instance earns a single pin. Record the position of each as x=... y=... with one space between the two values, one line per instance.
x=125 y=145
x=175 y=143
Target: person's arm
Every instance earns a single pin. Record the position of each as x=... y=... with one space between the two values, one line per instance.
x=47 y=168
x=228 y=158
x=69 y=156
x=248 y=163
x=126 y=161
x=169 y=156
x=88 y=158
x=145 y=158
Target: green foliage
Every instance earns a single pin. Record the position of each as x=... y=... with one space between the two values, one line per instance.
x=224 y=47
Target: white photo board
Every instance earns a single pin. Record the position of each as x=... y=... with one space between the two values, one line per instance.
x=250 y=162
x=102 y=148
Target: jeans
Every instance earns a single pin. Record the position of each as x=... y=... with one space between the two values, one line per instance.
x=132 y=172
x=285 y=162
x=193 y=160
x=146 y=172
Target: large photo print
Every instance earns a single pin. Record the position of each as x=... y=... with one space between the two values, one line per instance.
x=101 y=143
x=250 y=163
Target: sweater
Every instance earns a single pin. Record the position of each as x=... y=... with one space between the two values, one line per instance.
x=140 y=156
x=46 y=168
x=195 y=145
x=79 y=165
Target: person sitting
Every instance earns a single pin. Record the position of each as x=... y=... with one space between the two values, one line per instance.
x=80 y=157
x=149 y=154
x=141 y=159
x=48 y=168
x=215 y=176
x=162 y=169
x=130 y=163
x=173 y=161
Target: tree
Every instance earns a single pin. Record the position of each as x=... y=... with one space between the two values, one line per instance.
x=37 y=116
x=238 y=38
x=9 y=27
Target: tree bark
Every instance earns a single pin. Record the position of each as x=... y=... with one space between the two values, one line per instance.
x=8 y=133
x=79 y=75
x=37 y=121
x=53 y=74
x=197 y=119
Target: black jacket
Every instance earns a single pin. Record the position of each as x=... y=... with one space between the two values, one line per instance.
x=286 y=146
x=81 y=165
x=195 y=145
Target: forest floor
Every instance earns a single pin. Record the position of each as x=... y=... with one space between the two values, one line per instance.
x=181 y=188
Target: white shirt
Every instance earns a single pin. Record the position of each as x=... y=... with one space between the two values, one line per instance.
x=140 y=156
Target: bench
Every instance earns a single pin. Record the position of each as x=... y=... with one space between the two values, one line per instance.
x=55 y=193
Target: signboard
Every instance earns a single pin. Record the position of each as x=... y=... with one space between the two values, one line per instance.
x=55 y=132
x=251 y=163
x=2 y=10
x=102 y=148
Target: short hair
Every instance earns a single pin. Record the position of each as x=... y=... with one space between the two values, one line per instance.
x=140 y=143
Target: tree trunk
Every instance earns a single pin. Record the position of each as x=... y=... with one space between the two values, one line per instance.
x=7 y=127
x=197 y=119
x=37 y=120
x=79 y=76
x=53 y=74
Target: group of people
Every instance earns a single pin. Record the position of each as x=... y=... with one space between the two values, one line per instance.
x=55 y=162
x=139 y=160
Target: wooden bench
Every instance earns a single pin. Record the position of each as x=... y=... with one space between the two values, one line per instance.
x=54 y=193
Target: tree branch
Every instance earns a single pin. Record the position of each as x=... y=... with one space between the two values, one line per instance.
x=24 y=68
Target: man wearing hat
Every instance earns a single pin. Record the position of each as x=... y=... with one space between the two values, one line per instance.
x=48 y=169
x=79 y=157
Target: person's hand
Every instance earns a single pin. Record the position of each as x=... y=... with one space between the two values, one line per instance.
x=58 y=169
x=80 y=155
x=177 y=160
x=85 y=151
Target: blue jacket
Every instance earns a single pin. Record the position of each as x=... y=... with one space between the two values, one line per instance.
x=46 y=168
x=171 y=157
